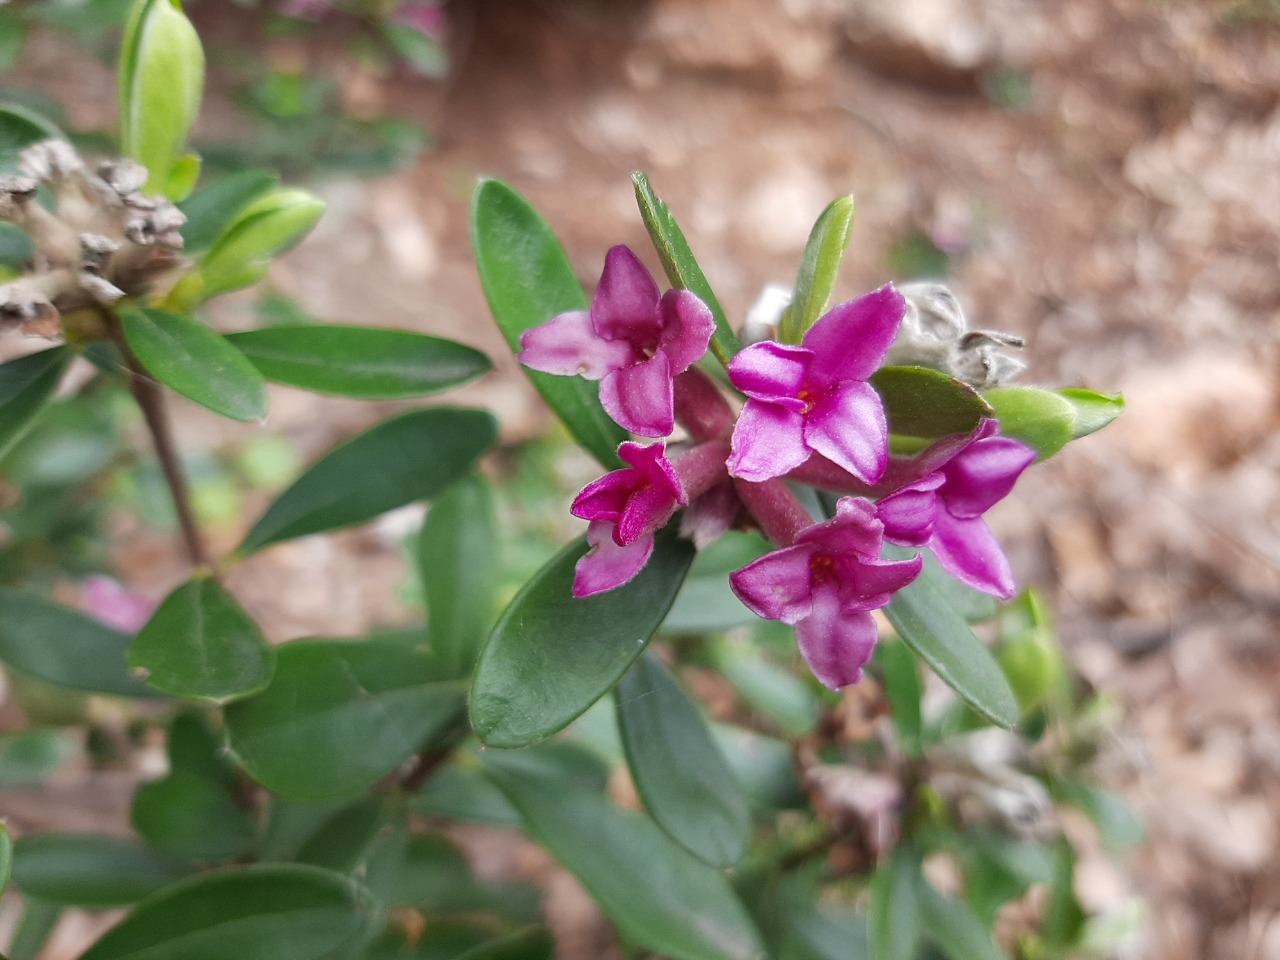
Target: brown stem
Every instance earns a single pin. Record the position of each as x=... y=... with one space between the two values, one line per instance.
x=422 y=769
x=150 y=399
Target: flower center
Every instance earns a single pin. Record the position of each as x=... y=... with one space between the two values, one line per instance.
x=821 y=568
x=806 y=397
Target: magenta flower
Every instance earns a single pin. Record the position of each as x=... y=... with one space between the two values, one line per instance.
x=943 y=511
x=826 y=585
x=109 y=602
x=814 y=398
x=625 y=507
x=633 y=341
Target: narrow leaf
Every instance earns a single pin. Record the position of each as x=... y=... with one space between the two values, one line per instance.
x=458 y=558
x=6 y=856
x=200 y=644
x=26 y=385
x=339 y=715
x=902 y=686
x=533 y=943
x=924 y=403
x=941 y=638
x=270 y=225
x=679 y=264
x=954 y=928
x=19 y=129
x=362 y=362
x=87 y=870
x=1042 y=419
x=212 y=209
x=1093 y=410
x=552 y=655
x=819 y=268
x=894 y=915
x=657 y=893
x=411 y=457
x=677 y=766
x=281 y=912
x=184 y=354
x=527 y=280
x=64 y=648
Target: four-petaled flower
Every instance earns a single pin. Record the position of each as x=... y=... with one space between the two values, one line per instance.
x=826 y=585
x=633 y=340
x=943 y=511
x=813 y=398
x=625 y=507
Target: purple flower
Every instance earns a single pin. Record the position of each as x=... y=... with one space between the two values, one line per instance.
x=625 y=507
x=107 y=601
x=814 y=398
x=633 y=341
x=826 y=584
x=943 y=511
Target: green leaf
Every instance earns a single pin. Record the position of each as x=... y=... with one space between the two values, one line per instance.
x=706 y=602
x=765 y=685
x=65 y=648
x=533 y=943
x=457 y=555
x=1042 y=419
x=904 y=690
x=19 y=129
x=363 y=362
x=657 y=893
x=679 y=264
x=954 y=928
x=369 y=839
x=762 y=765
x=941 y=638
x=819 y=268
x=26 y=385
x=894 y=914
x=200 y=644
x=212 y=209
x=87 y=870
x=184 y=354
x=269 y=226
x=527 y=280
x=924 y=403
x=677 y=767
x=415 y=456
x=437 y=879
x=340 y=715
x=194 y=748
x=252 y=913
x=13 y=37
x=161 y=82
x=1064 y=917
x=189 y=816
x=6 y=856
x=15 y=251
x=1118 y=826
x=1093 y=411
x=552 y=655
x=29 y=756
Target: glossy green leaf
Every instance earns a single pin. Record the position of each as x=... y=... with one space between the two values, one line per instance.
x=954 y=928
x=924 y=403
x=819 y=268
x=88 y=870
x=27 y=757
x=527 y=279
x=6 y=856
x=183 y=176
x=657 y=893
x=251 y=913
x=189 y=816
x=368 y=839
x=941 y=638
x=268 y=227
x=552 y=655
x=905 y=692
x=212 y=209
x=457 y=556
x=26 y=385
x=340 y=715
x=64 y=648
x=19 y=129
x=706 y=602
x=677 y=767
x=363 y=362
x=679 y=264
x=200 y=644
x=161 y=82
x=415 y=456
x=766 y=686
x=437 y=879
x=894 y=914
x=193 y=748
x=1042 y=419
x=762 y=765
x=185 y=355
x=1093 y=411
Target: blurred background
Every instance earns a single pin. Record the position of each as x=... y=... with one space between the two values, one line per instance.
x=1100 y=177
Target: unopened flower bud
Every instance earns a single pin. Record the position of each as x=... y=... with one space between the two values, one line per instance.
x=935 y=334
x=765 y=314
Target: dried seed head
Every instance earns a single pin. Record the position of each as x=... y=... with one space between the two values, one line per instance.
x=15 y=194
x=96 y=251
x=51 y=161
x=99 y=288
x=25 y=307
x=124 y=177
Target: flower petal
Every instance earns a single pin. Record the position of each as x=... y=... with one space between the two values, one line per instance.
x=647 y=510
x=625 y=305
x=982 y=474
x=850 y=340
x=640 y=398
x=835 y=642
x=868 y=584
x=966 y=549
x=606 y=565
x=604 y=499
x=652 y=466
x=773 y=372
x=777 y=585
x=907 y=514
x=855 y=529
x=847 y=426
x=768 y=440
x=687 y=326
x=567 y=345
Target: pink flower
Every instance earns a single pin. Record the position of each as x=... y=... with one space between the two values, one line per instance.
x=826 y=585
x=943 y=511
x=107 y=601
x=813 y=398
x=633 y=341
x=625 y=507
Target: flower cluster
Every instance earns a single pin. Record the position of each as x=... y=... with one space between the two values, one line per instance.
x=808 y=412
